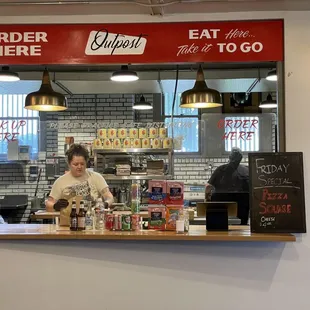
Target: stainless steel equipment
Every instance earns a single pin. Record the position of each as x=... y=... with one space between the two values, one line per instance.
x=193 y=193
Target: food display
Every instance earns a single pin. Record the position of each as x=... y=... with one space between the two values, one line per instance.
x=167 y=195
x=165 y=211
x=132 y=138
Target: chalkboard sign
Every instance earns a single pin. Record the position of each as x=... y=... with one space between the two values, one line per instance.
x=277 y=199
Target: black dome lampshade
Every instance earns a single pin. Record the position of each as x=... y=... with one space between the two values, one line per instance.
x=8 y=76
x=272 y=75
x=200 y=96
x=46 y=99
x=124 y=75
x=269 y=103
x=142 y=104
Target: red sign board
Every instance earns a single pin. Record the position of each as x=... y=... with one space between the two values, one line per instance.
x=231 y=41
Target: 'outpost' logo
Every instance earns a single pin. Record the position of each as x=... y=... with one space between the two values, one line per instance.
x=104 y=43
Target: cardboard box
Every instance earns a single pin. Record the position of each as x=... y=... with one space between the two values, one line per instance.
x=172 y=215
x=231 y=206
x=175 y=193
x=157 y=217
x=157 y=192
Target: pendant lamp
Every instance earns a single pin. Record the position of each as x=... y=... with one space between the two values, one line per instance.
x=8 y=76
x=142 y=104
x=46 y=99
x=269 y=103
x=200 y=96
x=272 y=76
x=124 y=75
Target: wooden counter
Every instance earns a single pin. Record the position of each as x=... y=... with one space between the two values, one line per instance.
x=198 y=233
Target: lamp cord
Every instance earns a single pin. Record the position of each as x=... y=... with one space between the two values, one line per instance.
x=174 y=100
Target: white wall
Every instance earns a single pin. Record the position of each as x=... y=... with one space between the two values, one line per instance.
x=190 y=276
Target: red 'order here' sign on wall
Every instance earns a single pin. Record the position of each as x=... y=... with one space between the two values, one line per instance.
x=229 y=41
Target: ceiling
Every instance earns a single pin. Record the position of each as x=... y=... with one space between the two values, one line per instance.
x=78 y=79
x=144 y=7
x=72 y=83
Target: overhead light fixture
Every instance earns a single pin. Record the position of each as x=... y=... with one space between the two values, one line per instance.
x=124 y=75
x=200 y=96
x=269 y=103
x=8 y=76
x=272 y=75
x=46 y=99
x=142 y=104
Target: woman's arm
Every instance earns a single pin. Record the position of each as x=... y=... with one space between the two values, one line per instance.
x=107 y=196
x=208 y=192
x=49 y=204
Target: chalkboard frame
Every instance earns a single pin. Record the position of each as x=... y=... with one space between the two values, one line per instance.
x=253 y=224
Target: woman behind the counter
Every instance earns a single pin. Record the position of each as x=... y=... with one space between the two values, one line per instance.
x=78 y=182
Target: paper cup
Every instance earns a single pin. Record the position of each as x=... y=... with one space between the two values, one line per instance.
x=112 y=133
x=133 y=133
x=117 y=144
x=107 y=144
x=167 y=143
x=122 y=133
x=142 y=133
x=97 y=144
x=136 y=143
x=146 y=143
x=153 y=133
x=156 y=144
x=102 y=133
x=162 y=133
x=127 y=143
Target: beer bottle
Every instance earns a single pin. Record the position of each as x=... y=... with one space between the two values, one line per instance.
x=73 y=217
x=81 y=216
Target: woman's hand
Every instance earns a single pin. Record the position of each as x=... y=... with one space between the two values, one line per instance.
x=52 y=205
x=61 y=204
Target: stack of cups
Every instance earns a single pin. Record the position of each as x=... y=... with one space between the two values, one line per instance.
x=135 y=197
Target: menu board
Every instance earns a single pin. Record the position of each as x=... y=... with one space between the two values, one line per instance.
x=277 y=199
